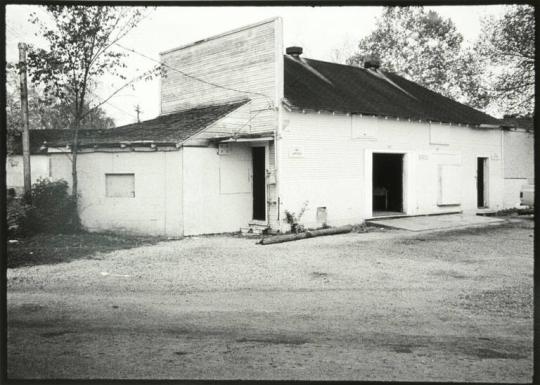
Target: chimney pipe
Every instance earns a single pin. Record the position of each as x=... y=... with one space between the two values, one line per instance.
x=294 y=51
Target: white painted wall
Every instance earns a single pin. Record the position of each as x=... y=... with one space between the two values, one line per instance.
x=518 y=164
x=156 y=208
x=217 y=189
x=39 y=168
x=326 y=160
x=519 y=154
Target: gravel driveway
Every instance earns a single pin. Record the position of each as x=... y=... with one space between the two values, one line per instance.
x=447 y=306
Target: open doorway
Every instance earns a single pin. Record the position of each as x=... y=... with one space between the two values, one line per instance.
x=259 y=183
x=481 y=182
x=387 y=184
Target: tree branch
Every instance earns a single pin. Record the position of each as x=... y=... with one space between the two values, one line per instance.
x=143 y=75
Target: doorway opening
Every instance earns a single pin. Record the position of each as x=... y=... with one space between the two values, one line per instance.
x=259 y=183
x=387 y=184
x=481 y=182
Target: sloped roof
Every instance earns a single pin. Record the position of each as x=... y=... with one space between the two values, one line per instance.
x=318 y=85
x=170 y=128
x=524 y=122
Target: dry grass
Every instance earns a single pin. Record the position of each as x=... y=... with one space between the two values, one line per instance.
x=44 y=249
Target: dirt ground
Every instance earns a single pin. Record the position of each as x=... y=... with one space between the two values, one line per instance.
x=392 y=305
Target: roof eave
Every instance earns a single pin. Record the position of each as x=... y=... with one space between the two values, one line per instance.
x=292 y=107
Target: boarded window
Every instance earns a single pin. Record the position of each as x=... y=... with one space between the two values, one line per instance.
x=120 y=185
x=449 y=184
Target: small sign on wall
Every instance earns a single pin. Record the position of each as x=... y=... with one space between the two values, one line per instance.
x=224 y=149
x=296 y=152
x=494 y=156
x=423 y=156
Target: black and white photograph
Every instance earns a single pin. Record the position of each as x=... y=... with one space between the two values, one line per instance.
x=257 y=191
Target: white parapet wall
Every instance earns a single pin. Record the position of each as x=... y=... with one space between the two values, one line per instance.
x=244 y=63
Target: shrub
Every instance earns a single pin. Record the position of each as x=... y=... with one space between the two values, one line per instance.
x=17 y=212
x=294 y=220
x=52 y=209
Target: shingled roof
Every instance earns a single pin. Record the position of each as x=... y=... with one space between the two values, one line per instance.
x=318 y=85
x=171 y=128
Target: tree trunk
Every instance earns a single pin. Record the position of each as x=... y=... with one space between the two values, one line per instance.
x=24 y=116
x=307 y=234
x=74 y=175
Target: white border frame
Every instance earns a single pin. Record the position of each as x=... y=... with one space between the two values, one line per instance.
x=409 y=176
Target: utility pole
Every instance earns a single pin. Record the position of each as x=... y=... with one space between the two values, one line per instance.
x=138 y=111
x=24 y=116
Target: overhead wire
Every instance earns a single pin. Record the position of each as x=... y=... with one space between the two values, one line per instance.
x=114 y=106
x=197 y=78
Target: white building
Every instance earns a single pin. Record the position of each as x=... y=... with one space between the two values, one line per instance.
x=252 y=133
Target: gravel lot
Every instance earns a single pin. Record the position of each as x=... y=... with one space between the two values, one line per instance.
x=392 y=305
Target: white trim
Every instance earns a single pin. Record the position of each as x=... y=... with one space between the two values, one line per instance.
x=487 y=179
x=264 y=139
x=266 y=168
x=408 y=177
x=280 y=105
x=266 y=165
x=279 y=62
x=256 y=222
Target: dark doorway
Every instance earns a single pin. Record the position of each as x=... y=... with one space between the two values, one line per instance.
x=388 y=182
x=481 y=174
x=259 y=183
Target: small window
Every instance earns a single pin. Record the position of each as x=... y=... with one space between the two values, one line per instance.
x=120 y=185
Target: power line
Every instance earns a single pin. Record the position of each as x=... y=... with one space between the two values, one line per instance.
x=114 y=106
x=195 y=77
x=120 y=109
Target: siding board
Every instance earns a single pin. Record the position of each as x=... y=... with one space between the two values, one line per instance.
x=244 y=60
x=331 y=169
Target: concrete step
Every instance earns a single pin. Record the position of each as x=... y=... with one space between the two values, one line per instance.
x=253 y=229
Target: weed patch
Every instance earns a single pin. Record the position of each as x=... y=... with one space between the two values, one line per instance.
x=45 y=249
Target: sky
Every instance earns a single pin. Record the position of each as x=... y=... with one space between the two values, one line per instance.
x=319 y=30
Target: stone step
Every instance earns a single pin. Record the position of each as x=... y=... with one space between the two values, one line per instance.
x=253 y=229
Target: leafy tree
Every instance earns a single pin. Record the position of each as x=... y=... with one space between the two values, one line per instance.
x=506 y=45
x=426 y=48
x=45 y=112
x=80 y=50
